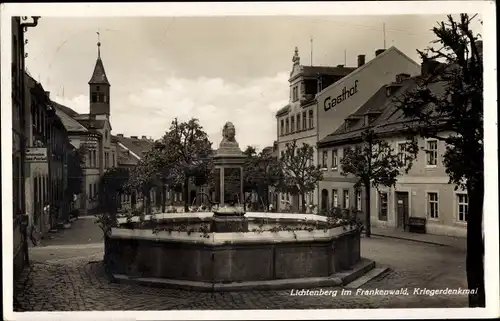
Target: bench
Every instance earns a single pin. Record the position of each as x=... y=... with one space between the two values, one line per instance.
x=417 y=224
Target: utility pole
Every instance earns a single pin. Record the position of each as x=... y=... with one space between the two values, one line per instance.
x=383 y=29
x=311 y=50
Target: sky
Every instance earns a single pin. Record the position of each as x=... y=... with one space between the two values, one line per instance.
x=216 y=69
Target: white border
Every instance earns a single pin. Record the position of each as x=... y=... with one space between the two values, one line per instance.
x=487 y=11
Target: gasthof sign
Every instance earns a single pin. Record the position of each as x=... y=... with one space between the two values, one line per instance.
x=36 y=154
x=331 y=102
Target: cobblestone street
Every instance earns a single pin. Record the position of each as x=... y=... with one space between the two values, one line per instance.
x=71 y=277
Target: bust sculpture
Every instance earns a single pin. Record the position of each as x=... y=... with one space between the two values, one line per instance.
x=228 y=135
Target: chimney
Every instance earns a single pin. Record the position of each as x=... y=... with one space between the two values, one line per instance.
x=379 y=51
x=428 y=67
x=119 y=135
x=479 y=46
x=144 y=137
x=48 y=94
x=361 y=60
x=134 y=137
x=402 y=77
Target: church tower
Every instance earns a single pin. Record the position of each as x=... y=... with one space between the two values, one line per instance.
x=99 y=88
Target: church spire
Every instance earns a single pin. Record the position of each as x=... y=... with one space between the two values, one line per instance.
x=98 y=45
x=99 y=75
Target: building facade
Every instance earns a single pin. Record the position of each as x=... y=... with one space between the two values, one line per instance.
x=335 y=99
x=19 y=127
x=423 y=192
x=298 y=119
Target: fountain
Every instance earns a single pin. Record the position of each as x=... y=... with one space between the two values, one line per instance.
x=228 y=249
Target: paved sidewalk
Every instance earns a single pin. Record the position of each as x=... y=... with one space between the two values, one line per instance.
x=82 y=231
x=451 y=241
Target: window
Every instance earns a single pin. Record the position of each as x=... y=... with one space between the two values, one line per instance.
x=106 y=134
x=113 y=159
x=292 y=124
x=287 y=126
x=335 y=198
x=433 y=205
x=358 y=200
x=431 y=152
x=94 y=97
x=295 y=93
x=402 y=155
x=90 y=191
x=311 y=119
x=463 y=207
x=282 y=153
x=346 y=198
x=282 y=127
x=335 y=159
x=325 y=159
x=304 y=120
x=382 y=209
x=298 y=122
x=97 y=88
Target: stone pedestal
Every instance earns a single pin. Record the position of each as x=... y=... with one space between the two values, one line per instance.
x=229 y=224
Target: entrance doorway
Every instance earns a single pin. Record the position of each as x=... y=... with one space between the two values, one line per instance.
x=402 y=210
x=324 y=200
x=193 y=198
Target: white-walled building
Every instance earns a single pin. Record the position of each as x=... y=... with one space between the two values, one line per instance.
x=424 y=192
x=310 y=117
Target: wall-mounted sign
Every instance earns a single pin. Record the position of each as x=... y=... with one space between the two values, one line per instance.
x=36 y=154
x=332 y=101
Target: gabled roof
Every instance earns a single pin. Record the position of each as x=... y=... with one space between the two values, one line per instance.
x=92 y=123
x=391 y=118
x=68 y=111
x=359 y=69
x=69 y=123
x=136 y=146
x=326 y=70
x=99 y=75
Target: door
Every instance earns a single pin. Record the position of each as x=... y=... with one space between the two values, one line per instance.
x=193 y=199
x=402 y=210
x=324 y=200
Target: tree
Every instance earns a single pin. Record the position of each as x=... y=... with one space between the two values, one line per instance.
x=260 y=173
x=374 y=163
x=76 y=163
x=162 y=164
x=298 y=175
x=144 y=177
x=112 y=185
x=189 y=150
x=458 y=109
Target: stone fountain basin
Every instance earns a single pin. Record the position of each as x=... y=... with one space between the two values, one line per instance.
x=260 y=259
